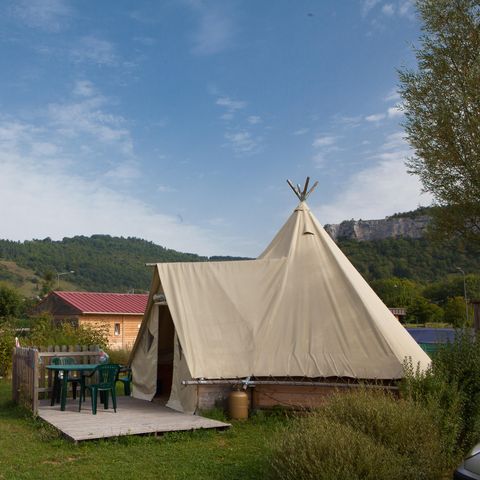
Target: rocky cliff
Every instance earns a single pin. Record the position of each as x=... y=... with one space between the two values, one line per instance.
x=390 y=227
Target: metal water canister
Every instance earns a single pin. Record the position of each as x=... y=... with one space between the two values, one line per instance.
x=238 y=405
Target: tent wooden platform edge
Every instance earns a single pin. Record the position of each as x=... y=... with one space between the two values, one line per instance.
x=133 y=417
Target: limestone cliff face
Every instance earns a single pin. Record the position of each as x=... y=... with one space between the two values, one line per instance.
x=395 y=227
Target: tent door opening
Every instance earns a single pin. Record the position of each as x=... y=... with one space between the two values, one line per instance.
x=166 y=332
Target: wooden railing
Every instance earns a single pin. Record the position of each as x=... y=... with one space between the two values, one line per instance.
x=31 y=381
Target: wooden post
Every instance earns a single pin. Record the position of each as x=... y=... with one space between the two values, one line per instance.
x=476 y=315
x=35 y=374
x=14 y=376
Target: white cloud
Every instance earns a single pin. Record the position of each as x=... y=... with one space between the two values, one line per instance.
x=43 y=197
x=392 y=95
x=367 y=6
x=377 y=117
x=88 y=116
x=347 y=121
x=319 y=160
x=395 y=141
x=84 y=88
x=301 y=131
x=406 y=9
x=215 y=32
x=243 y=141
x=324 y=141
x=230 y=104
x=394 y=112
x=254 y=119
x=48 y=15
x=378 y=190
x=124 y=172
x=44 y=149
x=388 y=9
x=165 y=189
x=95 y=50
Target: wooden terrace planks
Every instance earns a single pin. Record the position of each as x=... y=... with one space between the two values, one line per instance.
x=133 y=417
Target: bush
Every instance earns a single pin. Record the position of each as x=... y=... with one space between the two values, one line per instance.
x=11 y=302
x=46 y=332
x=119 y=356
x=362 y=435
x=453 y=384
x=7 y=342
x=444 y=400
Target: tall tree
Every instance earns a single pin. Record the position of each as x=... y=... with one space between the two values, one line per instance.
x=442 y=106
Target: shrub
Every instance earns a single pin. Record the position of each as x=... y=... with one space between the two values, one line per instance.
x=46 y=332
x=362 y=435
x=452 y=386
x=444 y=399
x=7 y=342
x=318 y=448
x=119 y=356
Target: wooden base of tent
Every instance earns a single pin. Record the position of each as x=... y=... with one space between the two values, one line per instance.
x=264 y=396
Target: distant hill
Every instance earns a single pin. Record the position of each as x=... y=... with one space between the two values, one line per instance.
x=399 y=246
x=100 y=262
x=417 y=259
x=117 y=264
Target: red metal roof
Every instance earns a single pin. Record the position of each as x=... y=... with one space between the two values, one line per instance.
x=119 y=303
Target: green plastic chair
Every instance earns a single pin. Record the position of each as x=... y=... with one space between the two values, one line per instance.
x=57 y=384
x=125 y=380
x=106 y=376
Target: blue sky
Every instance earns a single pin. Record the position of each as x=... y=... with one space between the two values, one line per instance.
x=178 y=121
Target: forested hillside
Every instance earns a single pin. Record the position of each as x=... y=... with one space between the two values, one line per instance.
x=105 y=263
x=100 y=262
x=421 y=259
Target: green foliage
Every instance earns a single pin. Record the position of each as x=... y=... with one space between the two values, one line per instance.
x=452 y=384
x=119 y=356
x=453 y=287
x=11 y=302
x=441 y=100
x=420 y=260
x=455 y=312
x=396 y=292
x=443 y=399
x=100 y=262
x=422 y=311
x=7 y=342
x=46 y=332
x=361 y=435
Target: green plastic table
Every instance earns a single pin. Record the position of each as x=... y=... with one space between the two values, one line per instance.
x=74 y=367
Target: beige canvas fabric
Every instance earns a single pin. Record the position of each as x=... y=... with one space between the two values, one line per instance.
x=300 y=310
x=144 y=362
x=182 y=397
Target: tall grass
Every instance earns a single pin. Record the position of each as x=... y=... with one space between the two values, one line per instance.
x=119 y=356
x=362 y=435
x=451 y=387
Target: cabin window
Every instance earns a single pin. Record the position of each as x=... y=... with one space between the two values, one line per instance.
x=116 y=329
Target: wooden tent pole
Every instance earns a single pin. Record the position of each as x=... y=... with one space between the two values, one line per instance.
x=302 y=195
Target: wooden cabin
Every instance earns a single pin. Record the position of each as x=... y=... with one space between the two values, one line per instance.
x=121 y=313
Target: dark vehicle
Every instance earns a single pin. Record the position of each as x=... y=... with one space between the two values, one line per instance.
x=470 y=467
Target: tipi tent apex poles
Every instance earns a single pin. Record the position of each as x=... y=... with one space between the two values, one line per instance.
x=302 y=194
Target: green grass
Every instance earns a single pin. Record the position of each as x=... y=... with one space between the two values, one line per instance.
x=30 y=449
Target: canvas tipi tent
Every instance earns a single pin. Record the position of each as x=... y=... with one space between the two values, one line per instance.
x=301 y=310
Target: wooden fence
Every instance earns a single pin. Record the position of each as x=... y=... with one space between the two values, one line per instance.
x=31 y=380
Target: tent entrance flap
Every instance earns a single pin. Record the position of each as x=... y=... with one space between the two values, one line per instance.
x=166 y=334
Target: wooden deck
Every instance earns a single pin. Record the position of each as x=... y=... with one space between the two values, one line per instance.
x=133 y=417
